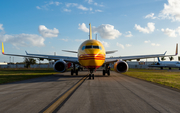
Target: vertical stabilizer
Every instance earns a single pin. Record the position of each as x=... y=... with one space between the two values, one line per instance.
x=2 y=48
x=90 y=32
x=158 y=59
x=176 y=49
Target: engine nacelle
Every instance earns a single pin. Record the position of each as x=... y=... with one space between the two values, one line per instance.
x=60 y=66
x=121 y=67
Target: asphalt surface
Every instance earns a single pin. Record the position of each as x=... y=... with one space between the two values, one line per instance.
x=104 y=94
x=121 y=94
x=32 y=96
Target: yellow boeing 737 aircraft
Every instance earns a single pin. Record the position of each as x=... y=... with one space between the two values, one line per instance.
x=91 y=55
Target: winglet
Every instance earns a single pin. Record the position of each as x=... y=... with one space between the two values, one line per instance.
x=26 y=52
x=90 y=32
x=2 y=48
x=176 y=49
x=165 y=52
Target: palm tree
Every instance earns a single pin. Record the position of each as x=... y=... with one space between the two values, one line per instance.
x=29 y=61
x=163 y=58
x=40 y=59
x=179 y=58
x=171 y=58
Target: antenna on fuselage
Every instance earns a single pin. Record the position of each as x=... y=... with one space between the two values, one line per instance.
x=90 y=32
x=96 y=36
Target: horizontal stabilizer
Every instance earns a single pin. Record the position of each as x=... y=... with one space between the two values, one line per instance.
x=109 y=52
x=70 y=51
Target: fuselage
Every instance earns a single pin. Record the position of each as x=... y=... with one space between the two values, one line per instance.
x=91 y=54
x=170 y=63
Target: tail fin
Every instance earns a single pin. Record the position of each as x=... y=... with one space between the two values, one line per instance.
x=2 y=48
x=176 y=49
x=158 y=59
x=90 y=32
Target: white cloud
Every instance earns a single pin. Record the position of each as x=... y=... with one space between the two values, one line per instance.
x=90 y=9
x=105 y=43
x=120 y=45
x=57 y=3
x=107 y=31
x=79 y=40
x=79 y=6
x=47 y=5
x=71 y=4
x=89 y=1
x=178 y=30
x=128 y=35
x=98 y=10
x=1 y=27
x=45 y=32
x=67 y=10
x=169 y=32
x=83 y=27
x=171 y=10
x=23 y=39
x=95 y=3
x=154 y=44
x=128 y=45
x=38 y=7
x=82 y=8
x=151 y=15
x=150 y=28
x=64 y=40
x=148 y=41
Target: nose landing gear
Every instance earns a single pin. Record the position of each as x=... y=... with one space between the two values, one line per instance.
x=91 y=75
x=74 y=70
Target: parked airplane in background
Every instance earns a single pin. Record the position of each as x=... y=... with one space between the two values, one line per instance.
x=166 y=64
x=91 y=55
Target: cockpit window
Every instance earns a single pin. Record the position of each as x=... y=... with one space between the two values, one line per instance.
x=88 y=47
x=91 y=46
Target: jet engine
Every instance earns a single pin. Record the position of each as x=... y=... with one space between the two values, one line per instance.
x=121 y=67
x=60 y=66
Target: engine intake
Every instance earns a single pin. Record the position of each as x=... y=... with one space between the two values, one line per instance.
x=121 y=67
x=60 y=66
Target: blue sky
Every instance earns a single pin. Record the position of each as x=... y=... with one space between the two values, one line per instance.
x=133 y=27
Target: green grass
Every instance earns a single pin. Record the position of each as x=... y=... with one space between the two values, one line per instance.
x=163 y=77
x=12 y=75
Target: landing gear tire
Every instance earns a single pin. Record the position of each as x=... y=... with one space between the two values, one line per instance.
x=170 y=68
x=72 y=71
x=108 y=72
x=89 y=76
x=92 y=76
x=161 y=68
x=77 y=72
x=104 y=73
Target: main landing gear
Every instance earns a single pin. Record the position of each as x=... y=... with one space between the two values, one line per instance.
x=106 y=70
x=74 y=70
x=91 y=75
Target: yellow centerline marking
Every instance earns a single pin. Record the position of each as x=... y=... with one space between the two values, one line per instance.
x=63 y=97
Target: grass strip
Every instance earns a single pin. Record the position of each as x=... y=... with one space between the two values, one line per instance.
x=13 y=75
x=163 y=77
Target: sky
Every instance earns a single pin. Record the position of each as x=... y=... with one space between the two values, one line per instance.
x=133 y=27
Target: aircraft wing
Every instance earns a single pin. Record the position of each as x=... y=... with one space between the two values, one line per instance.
x=52 y=57
x=138 y=57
